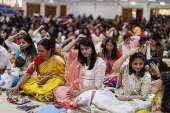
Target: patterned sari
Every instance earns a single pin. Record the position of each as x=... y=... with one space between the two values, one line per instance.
x=110 y=76
x=55 y=66
x=74 y=82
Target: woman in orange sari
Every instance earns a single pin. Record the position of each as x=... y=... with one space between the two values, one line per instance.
x=85 y=73
x=50 y=68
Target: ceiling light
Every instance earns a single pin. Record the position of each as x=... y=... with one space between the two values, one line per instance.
x=162 y=3
x=151 y=0
x=133 y=3
x=164 y=10
x=124 y=0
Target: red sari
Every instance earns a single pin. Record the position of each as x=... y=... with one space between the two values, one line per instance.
x=110 y=75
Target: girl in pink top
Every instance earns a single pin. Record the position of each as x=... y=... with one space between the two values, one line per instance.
x=128 y=43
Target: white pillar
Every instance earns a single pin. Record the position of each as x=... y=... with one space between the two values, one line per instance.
x=42 y=9
x=58 y=10
x=24 y=7
x=146 y=13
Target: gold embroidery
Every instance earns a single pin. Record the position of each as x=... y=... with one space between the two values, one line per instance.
x=32 y=64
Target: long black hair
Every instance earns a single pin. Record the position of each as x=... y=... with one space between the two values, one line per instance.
x=67 y=32
x=114 y=51
x=52 y=38
x=132 y=58
x=88 y=34
x=162 y=65
x=30 y=50
x=165 y=105
x=56 y=30
x=83 y=60
x=7 y=35
x=116 y=36
x=48 y=46
x=156 y=38
x=127 y=35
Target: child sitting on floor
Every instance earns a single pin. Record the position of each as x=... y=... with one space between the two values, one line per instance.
x=10 y=75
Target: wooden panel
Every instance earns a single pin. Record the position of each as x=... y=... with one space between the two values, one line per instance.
x=126 y=14
x=63 y=10
x=50 y=10
x=139 y=14
x=151 y=13
x=33 y=8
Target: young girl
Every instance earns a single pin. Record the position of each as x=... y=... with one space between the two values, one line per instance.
x=128 y=43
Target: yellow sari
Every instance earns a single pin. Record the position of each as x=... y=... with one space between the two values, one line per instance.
x=55 y=66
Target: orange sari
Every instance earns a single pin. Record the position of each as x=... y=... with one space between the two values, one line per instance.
x=74 y=82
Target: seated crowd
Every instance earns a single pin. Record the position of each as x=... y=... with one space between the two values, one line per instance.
x=88 y=65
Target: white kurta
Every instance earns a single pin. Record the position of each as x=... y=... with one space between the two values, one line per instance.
x=91 y=77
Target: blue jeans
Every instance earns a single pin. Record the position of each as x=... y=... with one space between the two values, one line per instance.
x=15 y=81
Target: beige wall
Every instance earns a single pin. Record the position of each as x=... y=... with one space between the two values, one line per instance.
x=162 y=11
x=106 y=10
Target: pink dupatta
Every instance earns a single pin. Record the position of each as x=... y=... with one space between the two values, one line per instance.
x=74 y=82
